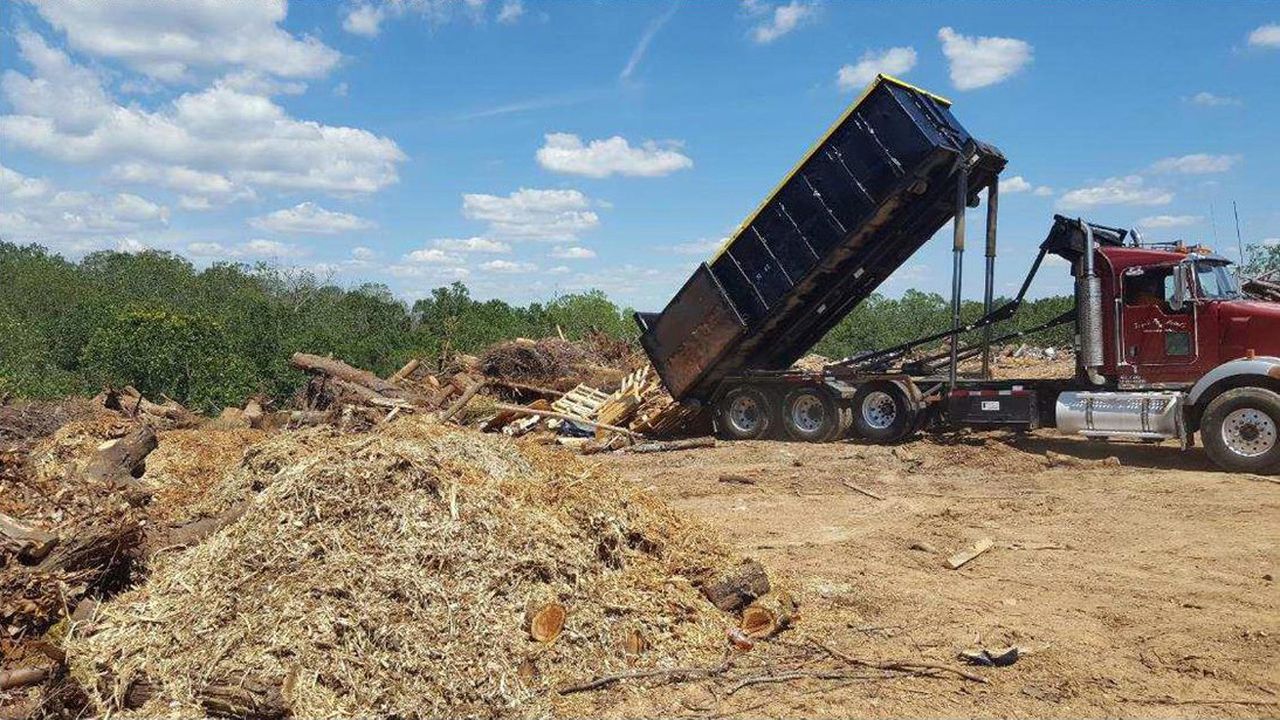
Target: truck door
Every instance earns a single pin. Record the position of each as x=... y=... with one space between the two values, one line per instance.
x=1159 y=337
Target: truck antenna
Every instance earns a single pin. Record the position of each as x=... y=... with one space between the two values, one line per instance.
x=1213 y=221
x=1239 y=242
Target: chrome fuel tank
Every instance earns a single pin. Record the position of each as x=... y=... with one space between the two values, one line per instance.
x=1146 y=415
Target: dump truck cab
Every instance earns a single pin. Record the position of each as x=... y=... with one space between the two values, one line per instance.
x=1177 y=314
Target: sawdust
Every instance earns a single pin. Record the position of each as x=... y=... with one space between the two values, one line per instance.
x=187 y=463
x=388 y=573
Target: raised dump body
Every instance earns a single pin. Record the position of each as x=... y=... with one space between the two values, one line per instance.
x=867 y=195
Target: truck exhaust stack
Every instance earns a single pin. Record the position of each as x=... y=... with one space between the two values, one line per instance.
x=1089 y=310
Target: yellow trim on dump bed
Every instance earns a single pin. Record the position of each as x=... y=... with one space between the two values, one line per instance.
x=814 y=148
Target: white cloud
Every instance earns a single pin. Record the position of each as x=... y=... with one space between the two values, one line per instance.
x=362 y=253
x=1169 y=221
x=434 y=256
x=1270 y=242
x=208 y=250
x=63 y=112
x=1129 y=190
x=368 y=17
x=1208 y=99
x=1018 y=184
x=555 y=215
x=198 y=190
x=981 y=61
x=573 y=253
x=894 y=61
x=364 y=20
x=311 y=219
x=1197 y=164
x=781 y=20
x=508 y=266
x=511 y=11
x=566 y=153
x=472 y=244
x=559 y=270
x=642 y=45
x=1266 y=36
x=341 y=90
x=166 y=40
x=271 y=248
x=131 y=245
x=16 y=187
x=701 y=246
x=33 y=210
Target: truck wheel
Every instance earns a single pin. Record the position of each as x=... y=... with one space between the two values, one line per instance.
x=744 y=414
x=811 y=415
x=1240 y=430
x=881 y=413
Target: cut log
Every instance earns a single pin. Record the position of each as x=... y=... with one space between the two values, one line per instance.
x=462 y=401
x=121 y=461
x=28 y=543
x=405 y=371
x=670 y=445
x=739 y=587
x=544 y=621
x=769 y=615
x=237 y=698
x=341 y=371
x=253 y=413
x=96 y=544
x=22 y=677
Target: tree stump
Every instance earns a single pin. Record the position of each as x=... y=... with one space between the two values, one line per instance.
x=738 y=588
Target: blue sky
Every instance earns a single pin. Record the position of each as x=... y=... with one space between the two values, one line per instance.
x=535 y=148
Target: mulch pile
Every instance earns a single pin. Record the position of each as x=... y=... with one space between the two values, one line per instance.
x=394 y=572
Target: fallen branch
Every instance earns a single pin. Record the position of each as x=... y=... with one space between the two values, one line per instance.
x=405 y=371
x=864 y=491
x=565 y=416
x=909 y=666
x=669 y=674
x=670 y=445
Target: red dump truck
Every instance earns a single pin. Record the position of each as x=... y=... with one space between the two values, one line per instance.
x=1167 y=346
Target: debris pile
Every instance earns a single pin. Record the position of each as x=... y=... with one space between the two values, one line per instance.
x=551 y=388
x=1265 y=286
x=408 y=571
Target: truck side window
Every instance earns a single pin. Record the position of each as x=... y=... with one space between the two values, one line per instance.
x=1150 y=288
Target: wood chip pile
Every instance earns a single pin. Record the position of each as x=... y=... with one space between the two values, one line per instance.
x=406 y=571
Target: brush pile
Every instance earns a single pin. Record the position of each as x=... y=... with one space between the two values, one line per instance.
x=406 y=571
x=1265 y=286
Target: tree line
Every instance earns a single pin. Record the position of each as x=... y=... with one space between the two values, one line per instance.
x=213 y=337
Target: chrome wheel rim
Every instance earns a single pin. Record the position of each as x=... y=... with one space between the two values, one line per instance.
x=808 y=414
x=878 y=410
x=1248 y=432
x=745 y=414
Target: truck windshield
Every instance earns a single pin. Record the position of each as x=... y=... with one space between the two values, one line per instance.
x=1216 y=281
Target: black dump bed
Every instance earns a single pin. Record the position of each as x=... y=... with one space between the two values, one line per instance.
x=868 y=194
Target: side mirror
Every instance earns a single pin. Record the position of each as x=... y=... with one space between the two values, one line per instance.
x=1180 y=289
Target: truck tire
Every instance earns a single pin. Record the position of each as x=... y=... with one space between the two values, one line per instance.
x=1240 y=430
x=744 y=413
x=881 y=413
x=809 y=414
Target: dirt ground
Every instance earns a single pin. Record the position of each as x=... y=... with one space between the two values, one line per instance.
x=1142 y=589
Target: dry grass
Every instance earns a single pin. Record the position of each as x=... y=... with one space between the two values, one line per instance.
x=389 y=573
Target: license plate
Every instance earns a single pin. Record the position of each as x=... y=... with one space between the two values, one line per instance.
x=991 y=406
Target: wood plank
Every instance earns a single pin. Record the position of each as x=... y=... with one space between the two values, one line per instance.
x=955 y=562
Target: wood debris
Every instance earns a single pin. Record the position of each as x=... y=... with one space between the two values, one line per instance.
x=962 y=558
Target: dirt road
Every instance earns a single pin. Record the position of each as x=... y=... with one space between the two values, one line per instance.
x=1140 y=589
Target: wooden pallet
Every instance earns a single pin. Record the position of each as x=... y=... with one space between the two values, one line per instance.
x=582 y=401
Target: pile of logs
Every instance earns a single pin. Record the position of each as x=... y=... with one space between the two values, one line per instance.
x=130 y=403
x=1263 y=287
